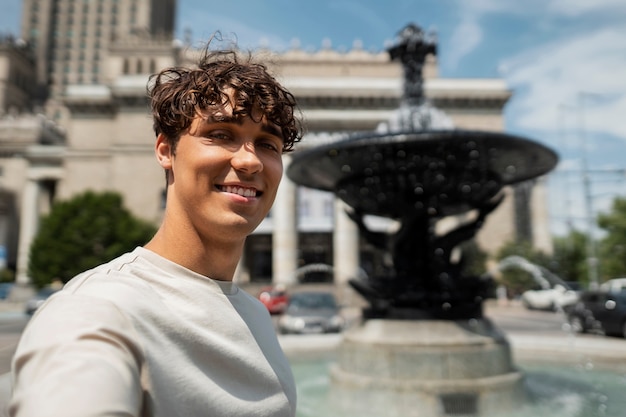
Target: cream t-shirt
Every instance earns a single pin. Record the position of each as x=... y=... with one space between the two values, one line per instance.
x=143 y=336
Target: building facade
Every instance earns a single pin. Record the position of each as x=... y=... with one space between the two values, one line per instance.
x=17 y=76
x=92 y=62
x=108 y=145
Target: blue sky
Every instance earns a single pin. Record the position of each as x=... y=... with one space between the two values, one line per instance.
x=565 y=61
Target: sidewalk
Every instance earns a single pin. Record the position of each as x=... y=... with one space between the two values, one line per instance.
x=603 y=351
x=12 y=306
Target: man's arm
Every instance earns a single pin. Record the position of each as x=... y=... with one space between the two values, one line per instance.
x=77 y=357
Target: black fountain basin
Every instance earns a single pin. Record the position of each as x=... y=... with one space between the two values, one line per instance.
x=438 y=172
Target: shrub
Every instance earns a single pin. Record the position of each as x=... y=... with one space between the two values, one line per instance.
x=81 y=233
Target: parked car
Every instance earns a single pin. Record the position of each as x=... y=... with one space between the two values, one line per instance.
x=615 y=285
x=600 y=312
x=274 y=298
x=42 y=295
x=311 y=312
x=555 y=298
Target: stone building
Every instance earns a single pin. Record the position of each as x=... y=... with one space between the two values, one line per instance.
x=17 y=76
x=107 y=144
x=31 y=149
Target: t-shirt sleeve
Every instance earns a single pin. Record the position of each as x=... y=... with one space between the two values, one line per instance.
x=78 y=356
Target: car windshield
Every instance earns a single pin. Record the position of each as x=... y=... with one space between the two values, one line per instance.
x=312 y=301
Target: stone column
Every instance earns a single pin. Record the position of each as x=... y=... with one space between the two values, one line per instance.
x=345 y=246
x=29 y=217
x=540 y=218
x=285 y=230
x=29 y=222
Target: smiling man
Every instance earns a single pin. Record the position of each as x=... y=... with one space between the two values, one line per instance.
x=163 y=331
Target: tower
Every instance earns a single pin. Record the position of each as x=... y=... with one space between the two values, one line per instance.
x=72 y=38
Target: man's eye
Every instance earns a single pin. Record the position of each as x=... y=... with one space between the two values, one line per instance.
x=218 y=134
x=270 y=145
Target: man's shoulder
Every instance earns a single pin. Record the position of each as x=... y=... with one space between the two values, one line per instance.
x=117 y=280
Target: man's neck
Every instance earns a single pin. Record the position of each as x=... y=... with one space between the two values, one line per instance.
x=216 y=260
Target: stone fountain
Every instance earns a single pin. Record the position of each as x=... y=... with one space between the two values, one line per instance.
x=423 y=347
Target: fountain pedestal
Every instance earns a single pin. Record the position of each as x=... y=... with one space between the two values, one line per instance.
x=426 y=368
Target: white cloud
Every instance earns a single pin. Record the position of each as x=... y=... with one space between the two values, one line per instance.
x=466 y=37
x=558 y=73
x=469 y=33
x=574 y=8
x=550 y=8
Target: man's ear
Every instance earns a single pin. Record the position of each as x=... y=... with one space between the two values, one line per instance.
x=163 y=151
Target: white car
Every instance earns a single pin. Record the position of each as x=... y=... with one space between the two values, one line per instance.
x=614 y=285
x=554 y=298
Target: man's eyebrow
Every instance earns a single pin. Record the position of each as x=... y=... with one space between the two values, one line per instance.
x=269 y=128
x=272 y=129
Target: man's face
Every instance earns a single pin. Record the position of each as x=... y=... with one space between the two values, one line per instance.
x=224 y=174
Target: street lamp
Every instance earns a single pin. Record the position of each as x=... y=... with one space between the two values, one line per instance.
x=592 y=256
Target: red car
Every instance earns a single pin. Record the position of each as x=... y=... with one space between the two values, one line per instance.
x=274 y=298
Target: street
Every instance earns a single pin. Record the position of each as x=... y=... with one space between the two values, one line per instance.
x=512 y=318
x=515 y=318
x=529 y=331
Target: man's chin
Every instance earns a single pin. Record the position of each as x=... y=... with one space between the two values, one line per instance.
x=246 y=225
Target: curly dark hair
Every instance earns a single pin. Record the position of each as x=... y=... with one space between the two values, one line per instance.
x=178 y=94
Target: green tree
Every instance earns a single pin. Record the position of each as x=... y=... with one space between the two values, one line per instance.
x=570 y=257
x=612 y=248
x=81 y=233
x=475 y=259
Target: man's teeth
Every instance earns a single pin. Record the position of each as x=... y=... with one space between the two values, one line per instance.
x=246 y=192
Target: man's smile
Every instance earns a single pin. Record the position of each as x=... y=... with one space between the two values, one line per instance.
x=239 y=190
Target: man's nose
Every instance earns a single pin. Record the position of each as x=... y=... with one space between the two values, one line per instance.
x=245 y=159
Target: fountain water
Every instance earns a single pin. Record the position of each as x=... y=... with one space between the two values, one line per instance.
x=424 y=347
x=542 y=276
x=555 y=389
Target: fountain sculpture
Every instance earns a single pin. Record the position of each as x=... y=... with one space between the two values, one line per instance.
x=424 y=347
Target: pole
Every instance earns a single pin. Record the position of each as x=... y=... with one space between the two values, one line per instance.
x=592 y=259
x=566 y=188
